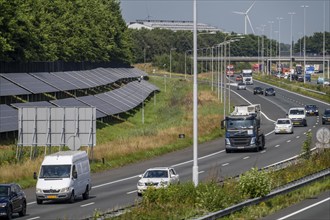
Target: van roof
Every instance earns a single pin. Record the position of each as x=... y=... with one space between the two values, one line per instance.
x=64 y=157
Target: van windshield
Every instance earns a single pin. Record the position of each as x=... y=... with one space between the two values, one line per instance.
x=55 y=171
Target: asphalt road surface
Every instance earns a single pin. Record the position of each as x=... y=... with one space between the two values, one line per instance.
x=117 y=187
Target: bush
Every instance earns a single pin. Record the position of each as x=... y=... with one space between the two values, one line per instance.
x=306 y=148
x=255 y=183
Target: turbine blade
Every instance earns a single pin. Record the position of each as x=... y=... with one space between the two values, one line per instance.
x=250 y=7
x=250 y=24
x=239 y=12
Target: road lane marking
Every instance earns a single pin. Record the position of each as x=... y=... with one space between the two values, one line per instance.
x=301 y=210
x=201 y=171
x=225 y=164
x=33 y=218
x=30 y=203
x=298 y=137
x=131 y=192
x=288 y=141
x=88 y=204
x=262 y=152
x=277 y=145
x=246 y=158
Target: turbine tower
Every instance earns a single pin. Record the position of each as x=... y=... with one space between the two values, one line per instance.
x=246 y=17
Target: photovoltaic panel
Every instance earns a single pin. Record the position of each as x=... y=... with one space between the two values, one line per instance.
x=55 y=81
x=8 y=118
x=107 y=97
x=121 y=95
x=100 y=105
x=72 y=102
x=7 y=88
x=33 y=104
x=91 y=78
x=104 y=72
x=29 y=82
x=106 y=78
x=67 y=76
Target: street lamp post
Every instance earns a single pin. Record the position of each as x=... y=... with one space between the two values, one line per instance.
x=144 y=56
x=140 y=80
x=279 y=42
x=171 y=61
x=262 y=47
x=270 y=44
x=304 y=69
x=291 y=42
x=195 y=109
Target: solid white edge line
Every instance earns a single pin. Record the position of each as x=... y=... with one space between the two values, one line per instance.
x=131 y=192
x=301 y=210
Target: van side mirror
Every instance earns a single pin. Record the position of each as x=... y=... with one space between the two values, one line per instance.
x=222 y=124
x=75 y=175
x=35 y=175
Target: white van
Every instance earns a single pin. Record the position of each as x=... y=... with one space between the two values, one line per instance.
x=64 y=175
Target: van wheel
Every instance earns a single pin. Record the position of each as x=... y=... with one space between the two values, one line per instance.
x=86 y=194
x=71 y=199
x=39 y=201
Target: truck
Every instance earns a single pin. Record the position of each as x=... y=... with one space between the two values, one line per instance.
x=63 y=176
x=247 y=77
x=242 y=129
x=230 y=70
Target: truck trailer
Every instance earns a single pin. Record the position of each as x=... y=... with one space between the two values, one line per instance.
x=242 y=129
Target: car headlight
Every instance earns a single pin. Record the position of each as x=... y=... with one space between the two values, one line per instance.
x=38 y=190
x=164 y=183
x=227 y=141
x=2 y=205
x=140 y=183
x=65 y=190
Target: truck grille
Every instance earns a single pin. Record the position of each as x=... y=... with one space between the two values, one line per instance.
x=240 y=142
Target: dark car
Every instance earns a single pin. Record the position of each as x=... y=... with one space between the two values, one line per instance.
x=239 y=78
x=326 y=116
x=12 y=200
x=270 y=92
x=258 y=90
x=312 y=110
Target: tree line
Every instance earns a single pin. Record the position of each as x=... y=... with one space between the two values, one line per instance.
x=67 y=30
x=95 y=31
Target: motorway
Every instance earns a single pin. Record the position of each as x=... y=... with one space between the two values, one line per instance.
x=117 y=187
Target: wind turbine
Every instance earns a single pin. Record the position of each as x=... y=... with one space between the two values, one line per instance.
x=246 y=17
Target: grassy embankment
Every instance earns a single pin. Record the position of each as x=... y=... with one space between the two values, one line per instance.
x=126 y=140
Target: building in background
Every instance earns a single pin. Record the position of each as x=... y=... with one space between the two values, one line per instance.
x=171 y=25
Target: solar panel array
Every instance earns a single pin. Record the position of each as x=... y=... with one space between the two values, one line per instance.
x=114 y=102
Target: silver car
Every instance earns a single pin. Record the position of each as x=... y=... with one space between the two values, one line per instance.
x=241 y=86
x=157 y=177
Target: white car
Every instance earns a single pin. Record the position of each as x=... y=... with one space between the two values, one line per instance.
x=283 y=125
x=157 y=177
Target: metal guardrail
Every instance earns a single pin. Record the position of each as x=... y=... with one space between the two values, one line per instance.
x=281 y=190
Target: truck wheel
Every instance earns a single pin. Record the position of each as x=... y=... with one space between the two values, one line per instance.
x=228 y=151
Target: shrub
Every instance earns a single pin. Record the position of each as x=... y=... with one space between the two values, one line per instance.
x=255 y=183
x=306 y=148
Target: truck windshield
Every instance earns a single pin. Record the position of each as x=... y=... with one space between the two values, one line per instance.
x=239 y=124
x=55 y=171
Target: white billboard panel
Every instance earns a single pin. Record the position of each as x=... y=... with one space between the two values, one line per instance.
x=53 y=126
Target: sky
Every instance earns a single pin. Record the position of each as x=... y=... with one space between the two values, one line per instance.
x=219 y=13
